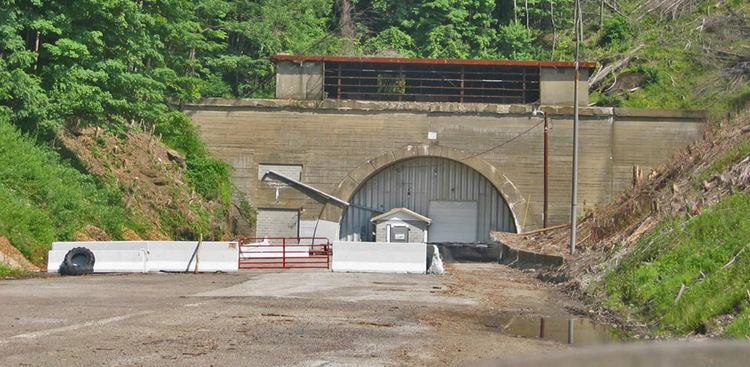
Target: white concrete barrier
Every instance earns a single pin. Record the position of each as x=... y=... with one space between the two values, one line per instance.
x=109 y=261
x=154 y=256
x=101 y=245
x=175 y=256
x=379 y=257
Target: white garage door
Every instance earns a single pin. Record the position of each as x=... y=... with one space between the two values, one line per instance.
x=453 y=221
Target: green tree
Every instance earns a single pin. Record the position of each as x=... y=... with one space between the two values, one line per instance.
x=391 y=40
x=516 y=42
x=440 y=28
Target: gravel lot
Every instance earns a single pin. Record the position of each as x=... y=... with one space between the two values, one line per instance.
x=271 y=318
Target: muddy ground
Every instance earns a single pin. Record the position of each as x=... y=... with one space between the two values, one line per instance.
x=273 y=318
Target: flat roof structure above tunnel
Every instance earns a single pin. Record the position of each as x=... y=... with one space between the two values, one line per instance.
x=428 y=80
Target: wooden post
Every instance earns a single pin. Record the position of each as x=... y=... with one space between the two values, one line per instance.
x=462 y=85
x=197 y=253
x=546 y=171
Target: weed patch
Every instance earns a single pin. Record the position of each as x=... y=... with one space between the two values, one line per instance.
x=7 y=272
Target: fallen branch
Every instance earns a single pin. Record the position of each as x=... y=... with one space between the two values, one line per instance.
x=680 y=293
x=614 y=9
x=605 y=71
x=545 y=229
x=733 y=259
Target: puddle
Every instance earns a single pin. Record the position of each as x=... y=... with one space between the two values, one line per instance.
x=576 y=332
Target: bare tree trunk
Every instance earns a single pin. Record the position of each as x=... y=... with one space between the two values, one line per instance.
x=192 y=61
x=554 y=30
x=526 y=5
x=515 y=11
x=346 y=26
x=601 y=15
x=36 y=51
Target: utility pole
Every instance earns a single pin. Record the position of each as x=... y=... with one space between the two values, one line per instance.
x=574 y=190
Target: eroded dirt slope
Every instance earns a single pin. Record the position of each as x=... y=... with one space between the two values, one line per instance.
x=152 y=180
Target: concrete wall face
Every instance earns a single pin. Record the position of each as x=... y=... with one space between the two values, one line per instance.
x=556 y=85
x=273 y=222
x=299 y=80
x=340 y=145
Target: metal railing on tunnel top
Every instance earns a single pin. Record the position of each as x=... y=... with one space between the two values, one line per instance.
x=284 y=253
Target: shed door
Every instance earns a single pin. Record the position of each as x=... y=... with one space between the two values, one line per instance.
x=453 y=221
x=399 y=234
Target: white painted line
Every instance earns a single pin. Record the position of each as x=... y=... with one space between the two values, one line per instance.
x=42 y=333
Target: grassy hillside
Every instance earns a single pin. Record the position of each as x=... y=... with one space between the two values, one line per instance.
x=682 y=54
x=690 y=273
x=43 y=199
x=131 y=189
x=672 y=254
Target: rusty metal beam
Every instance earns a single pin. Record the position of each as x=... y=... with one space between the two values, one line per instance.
x=457 y=62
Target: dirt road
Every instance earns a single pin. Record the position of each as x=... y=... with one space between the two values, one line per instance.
x=287 y=318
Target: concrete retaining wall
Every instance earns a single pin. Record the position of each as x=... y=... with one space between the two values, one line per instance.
x=471 y=252
x=151 y=256
x=527 y=259
x=379 y=257
x=496 y=252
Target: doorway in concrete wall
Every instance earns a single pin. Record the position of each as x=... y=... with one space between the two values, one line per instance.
x=272 y=222
x=464 y=205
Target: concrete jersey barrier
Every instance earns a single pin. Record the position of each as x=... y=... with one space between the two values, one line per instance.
x=379 y=257
x=151 y=256
x=109 y=261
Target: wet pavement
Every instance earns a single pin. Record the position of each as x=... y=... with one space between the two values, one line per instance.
x=573 y=331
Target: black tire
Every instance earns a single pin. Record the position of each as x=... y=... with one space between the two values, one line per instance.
x=78 y=261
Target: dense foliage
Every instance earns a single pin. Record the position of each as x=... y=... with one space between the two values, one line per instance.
x=110 y=61
x=118 y=61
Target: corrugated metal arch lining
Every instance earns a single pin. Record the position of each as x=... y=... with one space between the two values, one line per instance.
x=415 y=182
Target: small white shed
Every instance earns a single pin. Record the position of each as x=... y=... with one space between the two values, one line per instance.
x=401 y=225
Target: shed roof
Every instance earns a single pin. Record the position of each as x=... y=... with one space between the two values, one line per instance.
x=406 y=60
x=393 y=211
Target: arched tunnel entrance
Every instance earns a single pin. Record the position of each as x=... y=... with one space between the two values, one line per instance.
x=464 y=205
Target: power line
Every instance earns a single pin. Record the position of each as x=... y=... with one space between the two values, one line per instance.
x=505 y=142
x=498 y=146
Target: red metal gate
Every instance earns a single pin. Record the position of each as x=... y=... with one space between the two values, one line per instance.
x=284 y=252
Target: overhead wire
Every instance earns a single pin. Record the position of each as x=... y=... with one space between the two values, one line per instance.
x=495 y=147
x=505 y=142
